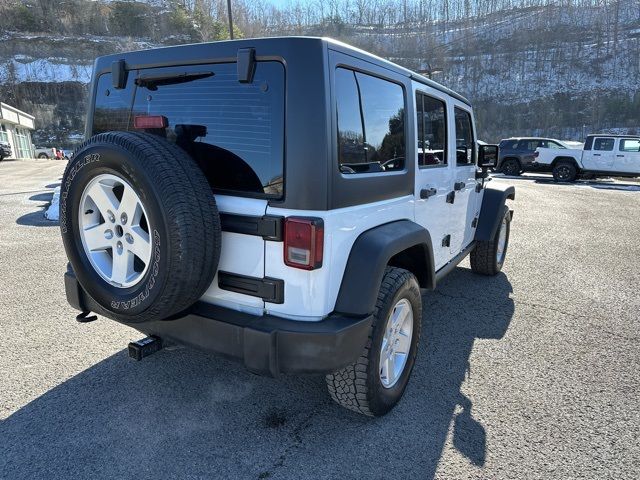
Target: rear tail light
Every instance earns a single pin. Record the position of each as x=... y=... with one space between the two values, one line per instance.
x=303 y=242
x=143 y=122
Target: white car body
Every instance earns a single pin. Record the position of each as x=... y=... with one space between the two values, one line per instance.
x=602 y=154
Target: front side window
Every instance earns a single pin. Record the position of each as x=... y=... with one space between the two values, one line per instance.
x=432 y=131
x=630 y=145
x=465 y=146
x=371 y=123
x=604 y=144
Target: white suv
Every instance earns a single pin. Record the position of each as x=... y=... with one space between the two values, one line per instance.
x=289 y=224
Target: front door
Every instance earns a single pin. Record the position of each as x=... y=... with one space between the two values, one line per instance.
x=464 y=183
x=628 y=156
x=433 y=173
x=601 y=156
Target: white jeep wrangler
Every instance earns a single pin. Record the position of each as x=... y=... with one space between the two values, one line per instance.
x=281 y=201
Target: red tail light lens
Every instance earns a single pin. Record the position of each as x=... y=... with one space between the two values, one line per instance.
x=303 y=242
x=150 y=121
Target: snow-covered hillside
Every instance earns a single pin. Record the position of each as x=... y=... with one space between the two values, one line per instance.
x=529 y=66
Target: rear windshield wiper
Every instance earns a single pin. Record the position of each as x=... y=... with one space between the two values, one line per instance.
x=152 y=82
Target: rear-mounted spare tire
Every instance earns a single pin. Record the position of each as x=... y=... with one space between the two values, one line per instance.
x=139 y=225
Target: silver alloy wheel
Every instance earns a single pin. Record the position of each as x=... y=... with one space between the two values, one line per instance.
x=396 y=343
x=502 y=241
x=114 y=229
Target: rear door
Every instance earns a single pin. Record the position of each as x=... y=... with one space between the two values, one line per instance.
x=433 y=172
x=628 y=156
x=464 y=180
x=527 y=148
x=601 y=156
x=235 y=132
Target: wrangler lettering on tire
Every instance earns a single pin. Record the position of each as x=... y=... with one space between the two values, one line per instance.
x=140 y=226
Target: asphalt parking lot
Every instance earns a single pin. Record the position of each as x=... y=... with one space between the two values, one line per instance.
x=534 y=373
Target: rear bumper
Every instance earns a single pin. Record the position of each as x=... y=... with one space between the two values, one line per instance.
x=266 y=345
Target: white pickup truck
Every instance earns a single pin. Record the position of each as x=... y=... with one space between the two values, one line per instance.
x=610 y=155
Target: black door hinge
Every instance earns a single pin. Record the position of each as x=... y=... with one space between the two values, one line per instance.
x=446 y=241
x=478 y=187
x=451 y=197
x=474 y=223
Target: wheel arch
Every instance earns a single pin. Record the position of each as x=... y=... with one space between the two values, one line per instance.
x=403 y=244
x=565 y=159
x=511 y=157
x=491 y=211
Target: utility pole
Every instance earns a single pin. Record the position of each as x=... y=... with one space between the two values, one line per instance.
x=230 y=19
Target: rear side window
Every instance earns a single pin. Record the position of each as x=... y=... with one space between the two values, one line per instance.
x=630 y=145
x=465 y=146
x=371 y=123
x=235 y=131
x=432 y=131
x=603 y=144
x=530 y=145
x=508 y=144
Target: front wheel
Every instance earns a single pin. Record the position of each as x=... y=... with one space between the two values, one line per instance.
x=375 y=383
x=487 y=258
x=42 y=156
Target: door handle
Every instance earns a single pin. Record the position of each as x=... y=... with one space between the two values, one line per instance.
x=596 y=155
x=459 y=185
x=622 y=156
x=451 y=197
x=427 y=192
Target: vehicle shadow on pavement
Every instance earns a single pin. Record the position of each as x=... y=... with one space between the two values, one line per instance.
x=182 y=413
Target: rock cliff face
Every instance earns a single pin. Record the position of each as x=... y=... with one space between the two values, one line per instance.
x=536 y=68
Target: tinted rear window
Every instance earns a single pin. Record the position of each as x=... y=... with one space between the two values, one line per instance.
x=371 y=137
x=235 y=131
x=508 y=144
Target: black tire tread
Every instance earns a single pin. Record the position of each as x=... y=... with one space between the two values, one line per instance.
x=348 y=386
x=483 y=257
x=187 y=199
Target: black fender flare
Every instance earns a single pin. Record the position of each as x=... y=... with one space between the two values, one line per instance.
x=369 y=257
x=491 y=211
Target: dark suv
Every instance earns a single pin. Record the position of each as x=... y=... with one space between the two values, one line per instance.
x=516 y=154
x=5 y=150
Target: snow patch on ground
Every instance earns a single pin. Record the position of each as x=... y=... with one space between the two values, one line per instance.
x=53 y=212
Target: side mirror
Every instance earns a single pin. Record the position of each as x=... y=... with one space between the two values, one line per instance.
x=488 y=156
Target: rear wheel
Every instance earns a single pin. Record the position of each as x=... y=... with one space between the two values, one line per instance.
x=43 y=156
x=564 y=171
x=375 y=383
x=511 y=166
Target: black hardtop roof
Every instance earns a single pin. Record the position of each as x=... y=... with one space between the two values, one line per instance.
x=226 y=48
